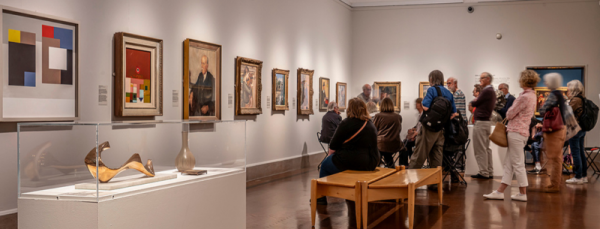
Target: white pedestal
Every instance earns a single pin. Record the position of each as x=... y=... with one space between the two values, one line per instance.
x=214 y=202
x=498 y=155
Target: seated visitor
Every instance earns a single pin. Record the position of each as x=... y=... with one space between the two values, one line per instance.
x=389 y=125
x=330 y=122
x=536 y=147
x=411 y=136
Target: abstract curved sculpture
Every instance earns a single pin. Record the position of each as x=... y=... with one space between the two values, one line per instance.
x=106 y=174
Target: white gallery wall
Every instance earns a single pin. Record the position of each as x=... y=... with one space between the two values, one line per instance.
x=406 y=43
x=284 y=34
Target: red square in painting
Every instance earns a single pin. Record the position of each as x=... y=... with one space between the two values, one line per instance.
x=138 y=64
x=47 y=31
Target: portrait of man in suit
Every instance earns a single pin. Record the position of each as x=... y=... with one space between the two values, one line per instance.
x=202 y=98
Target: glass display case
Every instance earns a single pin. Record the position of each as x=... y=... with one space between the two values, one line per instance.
x=94 y=162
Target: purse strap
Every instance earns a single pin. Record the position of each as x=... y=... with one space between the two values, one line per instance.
x=357 y=132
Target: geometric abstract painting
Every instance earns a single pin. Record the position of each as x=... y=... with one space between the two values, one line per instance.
x=57 y=55
x=137 y=76
x=21 y=58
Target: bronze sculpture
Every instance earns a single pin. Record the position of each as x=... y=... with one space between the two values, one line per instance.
x=106 y=174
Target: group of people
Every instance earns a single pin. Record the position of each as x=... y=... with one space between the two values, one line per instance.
x=359 y=142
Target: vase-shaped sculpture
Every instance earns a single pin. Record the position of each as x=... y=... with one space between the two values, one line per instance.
x=185 y=159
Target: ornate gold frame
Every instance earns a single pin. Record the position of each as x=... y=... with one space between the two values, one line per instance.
x=337 y=95
x=310 y=73
x=122 y=40
x=536 y=89
x=321 y=79
x=238 y=86
x=287 y=92
x=398 y=86
x=186 y=79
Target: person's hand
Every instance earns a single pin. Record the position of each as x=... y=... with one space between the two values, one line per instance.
x=331 y=152
x=204 y=109
x=539 y=125
x=454 y=115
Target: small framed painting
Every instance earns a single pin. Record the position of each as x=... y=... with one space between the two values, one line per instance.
x=280 y=90
x=390 y=90
x=542 y=93
x=305 y=91
x=138 y=75
x=423 y=86
x=201 y=80
x=40 y=63
x=248 y=86
x=324 y=93
x=340 y=94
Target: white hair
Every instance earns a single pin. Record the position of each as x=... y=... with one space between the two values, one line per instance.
x=553 y=80
x=575 y=88
x=331 y=106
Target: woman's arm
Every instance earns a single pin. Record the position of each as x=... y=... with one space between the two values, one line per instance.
x=517 y=106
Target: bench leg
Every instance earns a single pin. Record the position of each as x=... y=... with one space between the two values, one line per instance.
x=358 y=203
x=313 y=201
x=441 y=186
x=365 y=204
x=411 y=205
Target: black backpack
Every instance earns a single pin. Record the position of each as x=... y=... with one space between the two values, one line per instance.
x=438 y=114
x=589 y=115
x=457 y=131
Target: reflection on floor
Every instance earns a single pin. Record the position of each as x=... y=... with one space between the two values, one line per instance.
x=284 y=203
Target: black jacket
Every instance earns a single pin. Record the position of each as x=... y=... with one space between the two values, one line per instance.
x=330 y=122
x=509 y=103
x=361 y=152
x=203 y=91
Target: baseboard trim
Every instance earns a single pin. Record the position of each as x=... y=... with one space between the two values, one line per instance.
x=8 y=212
x=274 y=167
x=282 y=159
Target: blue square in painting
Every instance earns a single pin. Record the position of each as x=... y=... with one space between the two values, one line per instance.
x=65 y=36
x=30 y=79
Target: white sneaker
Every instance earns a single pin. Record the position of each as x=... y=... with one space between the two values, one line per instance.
x=574 y=181
x=495 y=195
x=585 y=180
x=519 y=197
x=538 y=166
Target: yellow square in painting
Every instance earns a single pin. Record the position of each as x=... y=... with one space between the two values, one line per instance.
x=14 y=36
x=146 y=87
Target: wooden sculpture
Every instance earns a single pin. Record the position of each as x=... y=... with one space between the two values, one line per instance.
x=106 y=174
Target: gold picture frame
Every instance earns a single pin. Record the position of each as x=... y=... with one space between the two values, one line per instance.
x=540 y=96
x=248 y=90
x=324 y=93
x=137 y=49
x=305 y=91
x=199 y=56
x=341 y=95
x=280 y=92
x=423 y=86
x=393 y=90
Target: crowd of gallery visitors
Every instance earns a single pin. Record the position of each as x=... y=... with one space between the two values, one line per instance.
x=362 y=142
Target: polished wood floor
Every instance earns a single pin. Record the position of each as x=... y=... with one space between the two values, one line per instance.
x=283 y=202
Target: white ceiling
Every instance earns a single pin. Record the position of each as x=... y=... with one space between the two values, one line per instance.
x=367 y=3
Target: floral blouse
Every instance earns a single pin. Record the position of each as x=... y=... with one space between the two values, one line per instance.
x=520 y=113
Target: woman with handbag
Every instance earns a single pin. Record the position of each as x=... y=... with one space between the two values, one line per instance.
x=519 y=115
x=354 y=144
x=559 y=125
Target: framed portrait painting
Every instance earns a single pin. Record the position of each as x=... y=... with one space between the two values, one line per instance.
x=248 y=86
x=40 y=67
x=201 y=80
x=138 y=75
x=541 y=94
x=305 y=91
x=340 y=94
x=390 y=90
x=324 y=93
x=280 y=90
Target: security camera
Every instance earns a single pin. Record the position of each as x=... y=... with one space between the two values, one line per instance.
x=471 y=9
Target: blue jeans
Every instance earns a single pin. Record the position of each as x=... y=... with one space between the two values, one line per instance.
x=535 y=150
x=328 y=168
x=578 y=152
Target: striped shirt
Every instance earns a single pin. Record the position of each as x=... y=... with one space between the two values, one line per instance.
x=459 y=102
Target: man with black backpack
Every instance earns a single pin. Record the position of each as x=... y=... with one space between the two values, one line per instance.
x=484 y=105
x=438 y=109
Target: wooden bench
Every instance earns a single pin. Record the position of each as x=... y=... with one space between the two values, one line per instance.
x=345 y=185
x=399 y=186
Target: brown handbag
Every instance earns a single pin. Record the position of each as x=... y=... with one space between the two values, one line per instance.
x=553 y=120
x=498 y=137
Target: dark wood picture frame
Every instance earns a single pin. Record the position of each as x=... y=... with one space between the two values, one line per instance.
x=310 y=91
x=127 y=40
x=187 y=44
x=397 y=97
x=285 y=86
x=337 y=95
x=239 y=110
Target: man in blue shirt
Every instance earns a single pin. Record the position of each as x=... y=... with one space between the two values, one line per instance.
x=429 y=144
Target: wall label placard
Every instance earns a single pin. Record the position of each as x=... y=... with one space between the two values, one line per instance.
x=230 y=100
x=294 y=103
x=268 y=101
x=406 y=105
x=175 y=98
x=102 y=95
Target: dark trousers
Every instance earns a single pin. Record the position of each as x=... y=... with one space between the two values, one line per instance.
x=328 y=168
x=406 y=154
x=388 y=159
x=578 y=152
